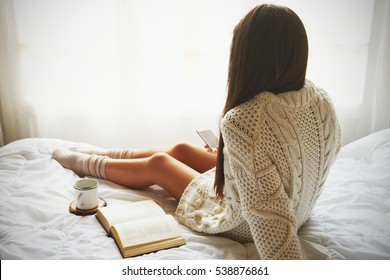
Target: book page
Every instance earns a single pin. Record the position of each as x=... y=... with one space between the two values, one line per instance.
x=148 y=230
x=131 y=211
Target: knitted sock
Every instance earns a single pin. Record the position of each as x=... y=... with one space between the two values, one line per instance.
x=82 y=164
x=111 y=153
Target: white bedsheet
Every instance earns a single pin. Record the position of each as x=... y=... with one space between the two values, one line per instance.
x=350 y=221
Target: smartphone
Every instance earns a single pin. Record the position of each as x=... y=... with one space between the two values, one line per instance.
x=208 y=137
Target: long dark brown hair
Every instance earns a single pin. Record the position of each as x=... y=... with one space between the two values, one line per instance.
x=269 y=52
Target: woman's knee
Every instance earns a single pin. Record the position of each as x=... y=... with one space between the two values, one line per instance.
x=159 y=160
x=181 y=149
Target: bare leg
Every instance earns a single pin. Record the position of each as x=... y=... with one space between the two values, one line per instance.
x=160 y=168
x=195 y=157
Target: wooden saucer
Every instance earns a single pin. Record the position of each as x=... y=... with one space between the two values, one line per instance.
x=80 y=212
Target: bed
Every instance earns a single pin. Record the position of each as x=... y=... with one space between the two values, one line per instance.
x=350 y=221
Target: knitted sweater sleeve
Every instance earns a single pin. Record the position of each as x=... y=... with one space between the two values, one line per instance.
x=263 y=201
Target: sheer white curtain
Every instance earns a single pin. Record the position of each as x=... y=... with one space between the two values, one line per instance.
x=363 y=104
x=141 y=72
x=376 y=103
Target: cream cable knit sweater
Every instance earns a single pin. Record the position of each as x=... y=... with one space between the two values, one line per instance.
x=278 y=152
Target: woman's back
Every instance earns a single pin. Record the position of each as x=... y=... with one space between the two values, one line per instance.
x=279 y=149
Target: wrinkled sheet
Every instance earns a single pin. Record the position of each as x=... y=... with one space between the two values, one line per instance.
x=350 y=221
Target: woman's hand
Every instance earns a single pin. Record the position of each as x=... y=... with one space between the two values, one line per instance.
x=214 y=151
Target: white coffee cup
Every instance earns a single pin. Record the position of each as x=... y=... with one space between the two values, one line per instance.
x=86 y=194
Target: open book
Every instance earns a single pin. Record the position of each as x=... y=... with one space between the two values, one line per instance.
x=140 y=227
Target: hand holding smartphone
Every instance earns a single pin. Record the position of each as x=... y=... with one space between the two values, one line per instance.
x=209 y=138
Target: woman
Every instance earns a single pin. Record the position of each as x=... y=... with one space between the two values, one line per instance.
x=279 y=137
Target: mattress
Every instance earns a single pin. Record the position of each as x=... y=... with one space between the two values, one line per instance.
x=350 y=221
